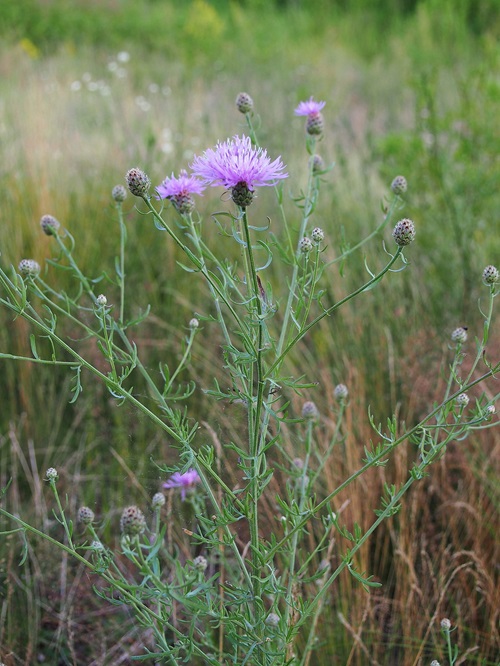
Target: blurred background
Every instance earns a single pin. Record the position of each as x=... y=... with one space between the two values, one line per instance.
x=91 y=89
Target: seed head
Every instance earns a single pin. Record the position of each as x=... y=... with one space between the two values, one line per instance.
x=340 y=392
x=29 y=268
x=119 y=193
x=132 y=521
x=317 y=234
x=200 y=563
x=49 y=225
x=51 y=474
x=244 y=103
x=491 y=275
x=459 y=335
x=445 y=624
x=462 y=399
x=101 y=300
x=404 y=232
x=305 y=245
x=309 y=411
x=399 y=185
x=138 y=182
x=158 y=500
x=85 y=515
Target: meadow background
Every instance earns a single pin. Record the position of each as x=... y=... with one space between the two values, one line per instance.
x=91 y=89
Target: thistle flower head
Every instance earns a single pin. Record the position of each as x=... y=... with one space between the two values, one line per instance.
x=340 y=392
x=404 y=232
x=312 y=109
x=29 y=268
x=491 y=275
x=119 y=193
x=459 y=335
x=138 y=182
x=85 y=515
x=244 y=103
x=101 y=300
x=132 y=521
x=272 y=620
x=51 y=474
x=238 y=166
x=305 y=245
x=399 y=185
x=180 y=190
x=309 y=410
x=317 y=234
x=445 y=624
x=50 y=225
x=318 y=165
x=462 y=400
x=185 y=482
x=200 y=563
x=158 y=500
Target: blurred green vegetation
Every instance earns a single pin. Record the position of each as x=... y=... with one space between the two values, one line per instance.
x=411 y=87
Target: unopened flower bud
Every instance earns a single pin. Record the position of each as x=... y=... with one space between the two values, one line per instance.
x=29 y=268
x=490 y=411
x=119 y=193
x=404 y=232
x=101 y=300
x=158 y=500
x=459 y=335
x=309 y=410
x=317 y=235
x=85 y=515
x=194 y=323
x=97 y=545
x=132 y=521
x=49 y=225
x=491 y=275
x=399 y=185
x=244 y=103
x=138 y=182
x=445 y=624
x=435 y=662
x=51 y=474
x=298 y=463
x=305 y=245
x=462 y=399
x=200 y=563
x=340 y=392
x=272 y=620
x=318 y=165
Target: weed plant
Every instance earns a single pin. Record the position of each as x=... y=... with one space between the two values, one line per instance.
x=263 y=544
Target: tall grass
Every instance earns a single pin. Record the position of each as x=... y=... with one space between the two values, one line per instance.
x=418 y=99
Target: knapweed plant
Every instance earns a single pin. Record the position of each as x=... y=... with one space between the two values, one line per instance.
x=238 y=590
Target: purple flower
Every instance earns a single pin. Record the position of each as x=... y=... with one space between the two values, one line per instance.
x=237 y=163
x=179 y=191
x=185 y=482
x=309 y=108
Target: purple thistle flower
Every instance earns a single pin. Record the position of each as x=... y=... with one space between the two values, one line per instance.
x=309 y=108
x=236 y=163
x=312 y=109
x=185 y=482
x=179 y=191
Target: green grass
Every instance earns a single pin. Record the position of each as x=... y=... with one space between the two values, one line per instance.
x=409 y=92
